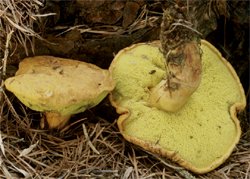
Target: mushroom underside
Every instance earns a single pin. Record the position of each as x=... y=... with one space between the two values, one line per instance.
x=203 y=133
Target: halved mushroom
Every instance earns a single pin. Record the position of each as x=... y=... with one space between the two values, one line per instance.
x=199 y=136
x=59 y=87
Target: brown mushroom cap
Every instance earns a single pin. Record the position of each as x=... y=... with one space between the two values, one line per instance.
x=60 y=86
x=203 y=133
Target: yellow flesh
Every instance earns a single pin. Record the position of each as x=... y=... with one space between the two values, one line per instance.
x=202 y=134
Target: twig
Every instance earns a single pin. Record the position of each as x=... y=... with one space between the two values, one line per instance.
x=88 y=140
x=247 y=172
x=134 y=162
x=2 y=145
x=4 y=64
x=4 y=169
x=12 y=109
x=186 y=26
x=6 y=52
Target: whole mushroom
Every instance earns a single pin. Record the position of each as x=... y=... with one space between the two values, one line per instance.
x=199 y=136
x=59 y=87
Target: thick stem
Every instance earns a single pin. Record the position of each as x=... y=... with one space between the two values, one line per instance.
x=184 y=78
x=180 y=47
x=56 y=120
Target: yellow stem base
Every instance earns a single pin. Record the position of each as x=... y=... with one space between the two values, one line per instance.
x=56 y=120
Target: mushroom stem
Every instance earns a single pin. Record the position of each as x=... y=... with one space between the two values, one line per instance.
x=56 y=120
x=183 y=78
x=180 y=46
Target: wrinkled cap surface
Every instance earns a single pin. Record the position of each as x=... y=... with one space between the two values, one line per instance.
x=201 y=135
x=46 y=83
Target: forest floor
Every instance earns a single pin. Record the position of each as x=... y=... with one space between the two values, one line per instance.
x=91 y=146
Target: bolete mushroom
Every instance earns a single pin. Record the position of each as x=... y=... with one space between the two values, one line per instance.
x=199 y=136
x=59 y=87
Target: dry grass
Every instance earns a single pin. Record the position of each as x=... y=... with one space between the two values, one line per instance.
x=19 y=17
x=90 y=147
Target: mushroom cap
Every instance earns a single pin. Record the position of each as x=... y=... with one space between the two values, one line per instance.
x=52 y=84
x=203 y=133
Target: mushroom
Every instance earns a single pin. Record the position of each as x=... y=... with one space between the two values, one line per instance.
x=59 y=87
x=182 y=79
x=202 y=134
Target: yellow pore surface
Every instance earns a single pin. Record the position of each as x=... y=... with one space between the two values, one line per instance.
x=203 y=133
x=50 y=84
